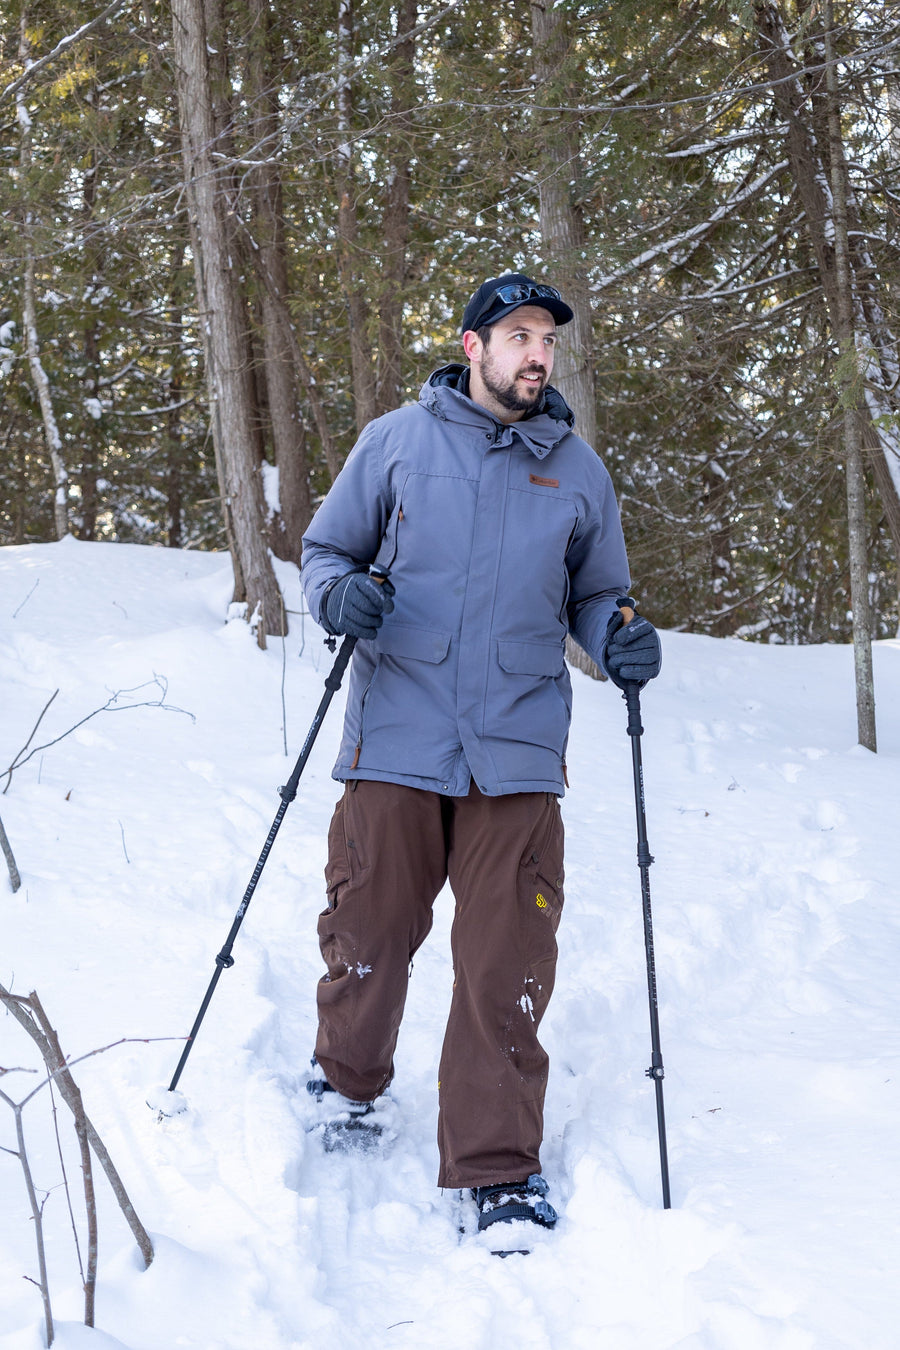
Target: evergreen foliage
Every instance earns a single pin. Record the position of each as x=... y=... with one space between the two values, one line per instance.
x=389 y=156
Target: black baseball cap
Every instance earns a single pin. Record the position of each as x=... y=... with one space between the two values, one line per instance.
x=501 y=295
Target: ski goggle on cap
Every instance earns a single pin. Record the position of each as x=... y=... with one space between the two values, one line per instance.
x=501 y=295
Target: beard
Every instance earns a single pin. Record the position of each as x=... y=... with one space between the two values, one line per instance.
x=505 y=391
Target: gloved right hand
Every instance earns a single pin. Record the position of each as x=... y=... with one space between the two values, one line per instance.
x=356 y=603
x=632 y=654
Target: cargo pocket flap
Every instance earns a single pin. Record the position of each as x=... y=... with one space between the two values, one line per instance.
x=417 y=644
x=531 y=658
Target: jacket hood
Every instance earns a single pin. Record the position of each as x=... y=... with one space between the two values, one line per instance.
x=446 y=394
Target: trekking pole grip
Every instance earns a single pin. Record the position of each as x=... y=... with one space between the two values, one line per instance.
x=338 y=670
x=632 y=696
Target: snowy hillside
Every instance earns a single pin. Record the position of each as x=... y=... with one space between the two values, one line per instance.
x=777 y=846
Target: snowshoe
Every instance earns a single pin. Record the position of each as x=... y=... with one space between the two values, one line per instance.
x=343 y=1124
x=513 y=1206
x=514 y=1203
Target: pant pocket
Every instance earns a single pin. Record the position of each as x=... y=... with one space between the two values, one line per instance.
x=541 y=870
x=344 y=861
x=339 y=867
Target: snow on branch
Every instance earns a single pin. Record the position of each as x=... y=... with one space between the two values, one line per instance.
x=675 y=249
x=724 y=142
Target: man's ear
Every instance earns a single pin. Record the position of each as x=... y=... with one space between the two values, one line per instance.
x=472 y=345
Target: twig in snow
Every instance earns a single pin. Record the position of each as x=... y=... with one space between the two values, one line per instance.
x=27 y=598
x=37 y=1211
x=65 y=1177
x=81 y=1130
x=33 y=732
x=30 y=1015
x=110 y=705
x=14 y=879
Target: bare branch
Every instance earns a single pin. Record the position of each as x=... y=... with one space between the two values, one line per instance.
x=27 y=598
x=65 y=1176
x=76 y=1105
x=34 y=730
x=28 y=1017
x=109 y=706
x=14 y=879
x=37 y=1214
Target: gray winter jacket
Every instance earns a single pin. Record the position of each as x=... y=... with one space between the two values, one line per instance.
x=499 y=540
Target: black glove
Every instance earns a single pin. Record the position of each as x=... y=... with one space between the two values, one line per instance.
x=355 y=604
x=633 y=652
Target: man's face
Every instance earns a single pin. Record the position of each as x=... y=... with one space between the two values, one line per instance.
x=509 y=375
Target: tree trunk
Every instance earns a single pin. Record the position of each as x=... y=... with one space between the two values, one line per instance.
x=875 y=344
x=389 y=389
x=562 y=222
x=29 y=311
x=288 y=432
x=823 y=186
x=849 y=379
x=21 y=499
x=348 y=229
x=91 y=450
x=173 y=439
x=223 y=320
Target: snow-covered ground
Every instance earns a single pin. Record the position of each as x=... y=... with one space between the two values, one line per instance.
x=777 y=846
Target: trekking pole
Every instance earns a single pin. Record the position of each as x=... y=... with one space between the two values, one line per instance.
x=632 y=696
x=225 y=960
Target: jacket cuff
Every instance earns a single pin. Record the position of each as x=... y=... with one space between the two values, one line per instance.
x=323 y=599
x=323 y=607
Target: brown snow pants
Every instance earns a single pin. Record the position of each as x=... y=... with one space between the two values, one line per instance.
x=391 y=848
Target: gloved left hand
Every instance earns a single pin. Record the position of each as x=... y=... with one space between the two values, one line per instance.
x=355 y=604
x=633 y=651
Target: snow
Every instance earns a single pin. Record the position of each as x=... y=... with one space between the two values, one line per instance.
x=776 y=932
x=271 y=491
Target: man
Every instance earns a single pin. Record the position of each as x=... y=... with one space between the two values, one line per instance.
x=499 y=533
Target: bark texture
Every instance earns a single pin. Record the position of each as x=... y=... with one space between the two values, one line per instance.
x=280 y=372
x=562 y=221
x=224 y=323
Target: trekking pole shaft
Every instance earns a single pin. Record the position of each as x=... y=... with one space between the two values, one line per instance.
x=224 y=959
x=645 y=859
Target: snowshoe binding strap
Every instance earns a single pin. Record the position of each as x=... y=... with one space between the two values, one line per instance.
x=515 y=1200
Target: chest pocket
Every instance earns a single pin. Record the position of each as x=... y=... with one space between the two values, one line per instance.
x=536 y=534
x=430 y=530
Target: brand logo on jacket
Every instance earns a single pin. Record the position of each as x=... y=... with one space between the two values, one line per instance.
x=543 y=482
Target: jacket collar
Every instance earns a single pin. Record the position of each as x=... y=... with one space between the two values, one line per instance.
x=446 y=394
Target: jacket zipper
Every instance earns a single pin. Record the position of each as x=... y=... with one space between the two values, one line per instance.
x=362 y=719
x=362 y=707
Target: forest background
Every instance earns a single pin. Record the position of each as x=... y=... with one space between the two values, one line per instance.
x=233 y=233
